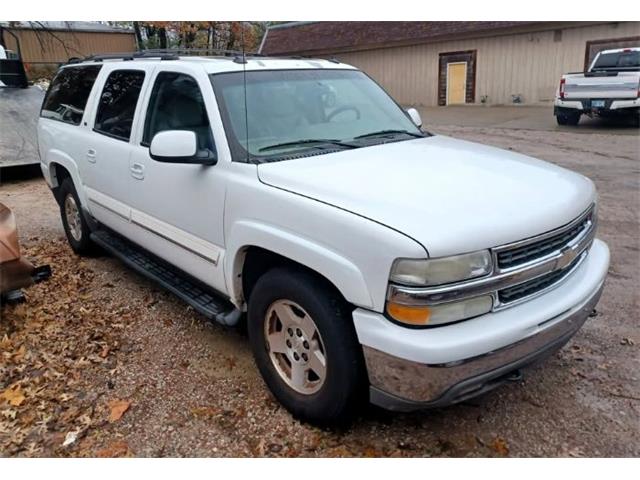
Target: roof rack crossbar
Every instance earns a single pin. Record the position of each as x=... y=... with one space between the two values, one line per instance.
x=175 y=53
x=193 y=51
x=162 y=53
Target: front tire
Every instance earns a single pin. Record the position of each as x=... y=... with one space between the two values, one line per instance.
x=73 y=221
x=304 y=344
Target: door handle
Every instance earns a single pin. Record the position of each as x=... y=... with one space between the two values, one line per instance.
x=137 y=170
x=91 y=155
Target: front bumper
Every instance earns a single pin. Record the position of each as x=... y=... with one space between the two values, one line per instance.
x=416 y=369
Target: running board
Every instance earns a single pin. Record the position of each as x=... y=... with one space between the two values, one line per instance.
x=202 y=298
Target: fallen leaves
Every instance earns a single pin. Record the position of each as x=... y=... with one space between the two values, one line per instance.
x=119 y=448
x=19 y=354
x=70 y=439
x=117 y=409
x=5 y=342
x=206 y=412
x=500 y=446
x=56 y=354
x=230 y=362
x=9 y=413
x=13 y=395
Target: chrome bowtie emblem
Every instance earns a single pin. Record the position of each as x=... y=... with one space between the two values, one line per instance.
x=568 y=256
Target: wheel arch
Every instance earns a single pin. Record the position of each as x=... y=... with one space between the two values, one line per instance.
x=267 y=247
x=59 y=167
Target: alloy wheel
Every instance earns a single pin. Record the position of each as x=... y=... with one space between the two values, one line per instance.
x=295 y=346
x=72 y=215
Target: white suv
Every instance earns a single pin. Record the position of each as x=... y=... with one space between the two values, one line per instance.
x=371 y=258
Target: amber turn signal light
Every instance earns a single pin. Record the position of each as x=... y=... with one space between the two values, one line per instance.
x=411 y=315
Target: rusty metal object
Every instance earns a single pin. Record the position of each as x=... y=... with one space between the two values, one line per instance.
x=16 y=272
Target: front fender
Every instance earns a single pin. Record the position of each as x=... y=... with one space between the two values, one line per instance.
x=340 y=271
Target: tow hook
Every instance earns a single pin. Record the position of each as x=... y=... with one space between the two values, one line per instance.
x=593 y=314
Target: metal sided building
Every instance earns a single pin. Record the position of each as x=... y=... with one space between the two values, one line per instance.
x=44 y=45
x=450 y=63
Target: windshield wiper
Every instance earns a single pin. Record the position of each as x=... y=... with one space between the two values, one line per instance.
x=308 y=141
x=389 y=132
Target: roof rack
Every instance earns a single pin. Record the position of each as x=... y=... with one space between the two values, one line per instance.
x=164 y=54
x=176 y=53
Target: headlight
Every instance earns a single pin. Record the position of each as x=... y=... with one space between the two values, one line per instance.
x=438 y=271
x=432 y=315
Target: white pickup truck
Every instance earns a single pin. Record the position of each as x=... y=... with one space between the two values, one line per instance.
x=369 y=258
x=611 y=87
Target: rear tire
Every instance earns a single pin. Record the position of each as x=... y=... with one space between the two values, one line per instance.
x=568 y=118
x=75 y=226
x=325 y=346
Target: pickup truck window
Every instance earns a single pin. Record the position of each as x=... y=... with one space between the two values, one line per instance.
x=118 y=103
x=176 y=104
x=301 y=111
x=618 y=61
x=68 y=93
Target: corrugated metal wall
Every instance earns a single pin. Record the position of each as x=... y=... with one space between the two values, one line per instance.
x=40 y=47
x=529 y=64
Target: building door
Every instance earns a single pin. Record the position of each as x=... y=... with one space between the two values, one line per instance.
x=456 y=83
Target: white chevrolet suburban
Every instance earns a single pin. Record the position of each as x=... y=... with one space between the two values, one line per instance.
x=610 y=87
x=371 y=258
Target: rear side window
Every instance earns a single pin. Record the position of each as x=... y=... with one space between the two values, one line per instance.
x=67 y=96
x=176 y=104
x=118 y=103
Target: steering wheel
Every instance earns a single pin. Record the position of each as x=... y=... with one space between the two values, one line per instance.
x=346 y=108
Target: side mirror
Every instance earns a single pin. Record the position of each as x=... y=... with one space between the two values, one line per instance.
x=179 y=146
x=415 y=117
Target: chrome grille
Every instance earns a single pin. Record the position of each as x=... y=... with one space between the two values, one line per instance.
x=535 y=286
x=527 y=252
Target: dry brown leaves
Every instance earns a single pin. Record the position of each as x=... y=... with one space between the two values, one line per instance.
x=58 y=351
x=13 y=395
x=118 y=407
x=500 y=446
x=119 y=448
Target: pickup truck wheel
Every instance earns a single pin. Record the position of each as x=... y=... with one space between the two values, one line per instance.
x=74 y=223
x=302 y=336
x=568 y=118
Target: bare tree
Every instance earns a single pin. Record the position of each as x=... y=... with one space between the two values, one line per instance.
x=46 y=37
x=138 y=32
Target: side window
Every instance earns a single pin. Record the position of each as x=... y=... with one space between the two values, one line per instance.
x=68 y=93
x=176 y=104
x=118 y=103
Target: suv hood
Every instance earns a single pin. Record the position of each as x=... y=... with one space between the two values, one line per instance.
x=451 y=196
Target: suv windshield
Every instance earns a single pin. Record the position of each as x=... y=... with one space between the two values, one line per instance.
x=294 y=112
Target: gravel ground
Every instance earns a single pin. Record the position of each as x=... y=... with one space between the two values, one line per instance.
x=102 y=353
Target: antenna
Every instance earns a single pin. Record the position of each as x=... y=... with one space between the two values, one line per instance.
x=244 y=80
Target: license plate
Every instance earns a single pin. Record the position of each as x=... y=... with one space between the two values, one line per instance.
x=597 y=103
